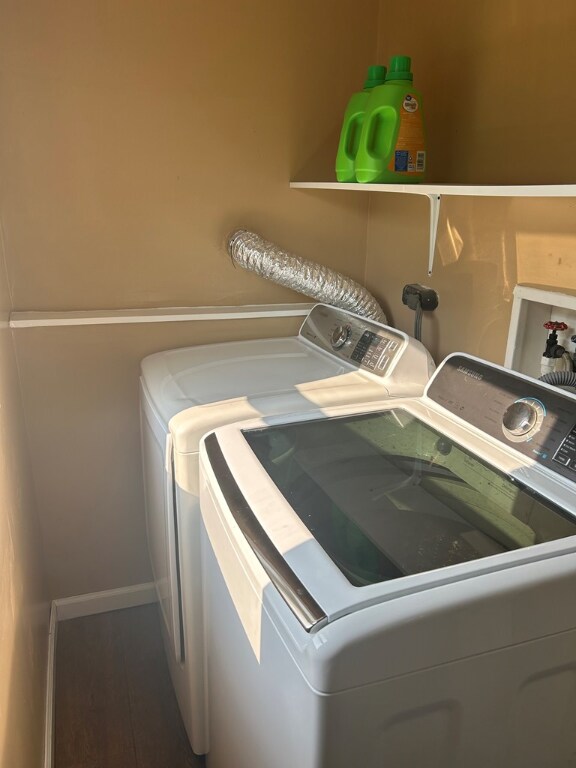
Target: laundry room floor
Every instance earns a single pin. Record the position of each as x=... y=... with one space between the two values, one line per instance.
x=114 y=703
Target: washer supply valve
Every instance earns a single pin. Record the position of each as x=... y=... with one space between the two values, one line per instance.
x=555 y=357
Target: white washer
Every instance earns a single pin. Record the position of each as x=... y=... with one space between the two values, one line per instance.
x=393 y=583
x=337 y=358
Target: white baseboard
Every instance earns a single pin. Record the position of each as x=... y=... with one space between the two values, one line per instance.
x=72 y=608
x=49 y=721
x=101 y=602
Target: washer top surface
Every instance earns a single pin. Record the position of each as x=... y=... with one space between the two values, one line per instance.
x=358 y=504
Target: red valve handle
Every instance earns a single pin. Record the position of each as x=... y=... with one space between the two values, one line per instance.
x=552 y=325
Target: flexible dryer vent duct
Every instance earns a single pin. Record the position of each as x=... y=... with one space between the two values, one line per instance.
x=252 y=252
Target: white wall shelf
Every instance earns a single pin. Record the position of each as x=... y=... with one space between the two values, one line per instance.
x=435 y=192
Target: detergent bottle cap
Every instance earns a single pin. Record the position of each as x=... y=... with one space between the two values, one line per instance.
x=399 y=68
x=376 y=76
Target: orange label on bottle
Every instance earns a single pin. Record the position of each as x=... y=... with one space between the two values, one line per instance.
x=409 y=154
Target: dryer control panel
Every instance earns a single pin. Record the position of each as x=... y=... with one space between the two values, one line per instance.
x=361 y=342
x=516 y=410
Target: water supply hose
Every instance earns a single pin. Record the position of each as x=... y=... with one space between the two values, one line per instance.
x=268 y=260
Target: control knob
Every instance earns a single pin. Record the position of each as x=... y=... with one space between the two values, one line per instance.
x=340 y=336
x=523 y=419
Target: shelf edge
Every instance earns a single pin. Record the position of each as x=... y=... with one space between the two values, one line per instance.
x=464 y=190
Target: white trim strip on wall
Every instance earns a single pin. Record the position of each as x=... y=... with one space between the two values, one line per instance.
x=159 y=315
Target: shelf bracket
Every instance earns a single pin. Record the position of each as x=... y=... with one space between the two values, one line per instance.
x=435 y=201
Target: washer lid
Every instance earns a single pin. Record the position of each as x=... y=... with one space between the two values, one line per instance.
x=348 y=511
x=181 y=378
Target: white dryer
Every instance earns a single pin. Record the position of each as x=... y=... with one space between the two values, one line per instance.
x=337 y=358
x=393 y=583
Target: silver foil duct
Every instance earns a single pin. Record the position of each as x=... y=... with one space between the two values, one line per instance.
x=258 y=255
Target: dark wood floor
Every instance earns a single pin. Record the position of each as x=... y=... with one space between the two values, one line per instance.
x=115 y=707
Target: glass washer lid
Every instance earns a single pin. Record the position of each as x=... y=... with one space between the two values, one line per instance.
x=386 y=495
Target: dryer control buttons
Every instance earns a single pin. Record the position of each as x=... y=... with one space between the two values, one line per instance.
x=340 y=336
x=374 y=352
x=523 y=419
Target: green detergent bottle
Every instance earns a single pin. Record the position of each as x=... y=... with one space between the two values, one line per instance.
x=392 y=145
x=352 y=124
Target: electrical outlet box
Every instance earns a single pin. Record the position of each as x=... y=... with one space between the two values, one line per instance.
x=532 y=307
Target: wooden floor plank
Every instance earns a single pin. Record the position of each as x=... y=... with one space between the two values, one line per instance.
x=92 y=706
x=115 y=706
x=159 y=735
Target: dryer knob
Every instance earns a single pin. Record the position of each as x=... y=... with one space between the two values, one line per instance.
x=520 y=418
x=340 y=336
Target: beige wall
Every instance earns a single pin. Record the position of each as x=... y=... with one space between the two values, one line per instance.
x=23 y=593
x=138 y=134
x=135 y=136
x=497 y=79
x=81 y=389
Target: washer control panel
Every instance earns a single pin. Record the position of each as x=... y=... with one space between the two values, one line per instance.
x=359 y=341
x=514 y=409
